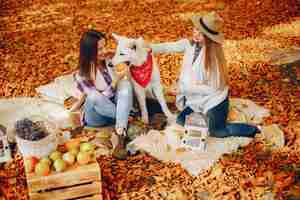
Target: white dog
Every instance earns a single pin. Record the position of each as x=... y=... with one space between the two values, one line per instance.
x=144 y=72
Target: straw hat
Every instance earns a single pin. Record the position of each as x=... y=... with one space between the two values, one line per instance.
x=211 y=25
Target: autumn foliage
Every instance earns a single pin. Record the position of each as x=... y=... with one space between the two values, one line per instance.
x=39 y=42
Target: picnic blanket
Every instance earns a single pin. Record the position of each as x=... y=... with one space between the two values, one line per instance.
x=165 y=145
x=159 y=145
x=155 y=143
x=59 y=90
x=13 y=109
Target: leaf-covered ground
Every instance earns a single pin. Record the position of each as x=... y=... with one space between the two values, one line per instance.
x=39 y=41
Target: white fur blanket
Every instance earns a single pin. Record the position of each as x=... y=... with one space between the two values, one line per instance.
x=156 y=144
x=59 y=90
x=165 y=145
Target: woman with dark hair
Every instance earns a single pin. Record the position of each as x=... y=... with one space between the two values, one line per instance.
x=105 y=94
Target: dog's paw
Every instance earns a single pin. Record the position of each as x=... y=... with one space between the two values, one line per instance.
x=121 y=131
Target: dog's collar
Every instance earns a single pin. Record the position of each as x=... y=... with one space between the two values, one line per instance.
x=142 y=74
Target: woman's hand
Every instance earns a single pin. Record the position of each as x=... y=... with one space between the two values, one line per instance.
x=77 y=105
x=122 y=71
x=120 y=76
x=173 y=90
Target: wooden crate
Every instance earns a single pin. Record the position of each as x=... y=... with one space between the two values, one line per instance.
x=78 y=182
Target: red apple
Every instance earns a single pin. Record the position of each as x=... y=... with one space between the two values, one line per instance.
x=30 y=163
x=73 y=144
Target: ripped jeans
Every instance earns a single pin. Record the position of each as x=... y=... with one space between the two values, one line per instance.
x=101 y=111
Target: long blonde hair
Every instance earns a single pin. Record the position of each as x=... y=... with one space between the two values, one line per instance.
x=214 y=51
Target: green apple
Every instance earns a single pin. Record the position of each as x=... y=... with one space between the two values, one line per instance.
x=46 y=160
x=69 y=158
x=59 y=165
x=83 y=158
x=74 y=151
x=87 y=147
x=55 y=155
x=42 y=169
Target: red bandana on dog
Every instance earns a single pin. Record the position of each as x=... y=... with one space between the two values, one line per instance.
x=142 y=74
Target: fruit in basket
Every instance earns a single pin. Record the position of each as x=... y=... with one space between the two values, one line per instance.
x=30 y=163
x=69 y=158
x=74 y=151
x=87 y=147
x=29 y=130
x=73 y=143
x=55 y=155
x=46 y=160
x=20 y=124
x=36 y=135
x=83 y=158
x=59 y=165
x=42 y=169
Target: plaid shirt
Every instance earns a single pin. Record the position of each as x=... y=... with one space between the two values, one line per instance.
x=87 y=86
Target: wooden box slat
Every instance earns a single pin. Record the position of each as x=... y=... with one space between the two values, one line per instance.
x=68 y=193
x=74 y=176
x=95 y=197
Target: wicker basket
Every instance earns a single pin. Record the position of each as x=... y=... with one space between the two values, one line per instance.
x=40 y=148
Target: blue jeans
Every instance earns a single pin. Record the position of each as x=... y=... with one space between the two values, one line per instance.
x=100 y=111
x=217 y=122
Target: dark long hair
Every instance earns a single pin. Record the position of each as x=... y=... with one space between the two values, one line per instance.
x=88 y=52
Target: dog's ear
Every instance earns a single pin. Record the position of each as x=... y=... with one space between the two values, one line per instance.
x=116 y=36
x=140 y=40
x=142 y=43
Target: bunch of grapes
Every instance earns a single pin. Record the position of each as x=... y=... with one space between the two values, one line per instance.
x=29 y=130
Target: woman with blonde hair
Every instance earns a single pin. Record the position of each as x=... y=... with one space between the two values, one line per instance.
x=203 y=82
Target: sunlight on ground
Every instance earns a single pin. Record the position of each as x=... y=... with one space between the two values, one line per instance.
x=261 y=48
x=187 y=16
x=285 y=30
x=250 y=50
